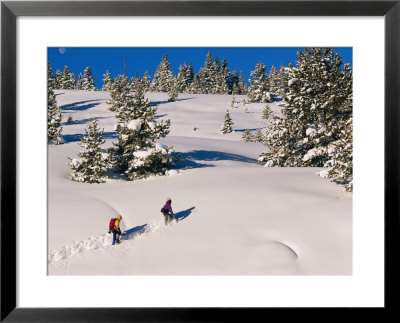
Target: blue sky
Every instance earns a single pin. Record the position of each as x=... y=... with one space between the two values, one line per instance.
x=138 y=60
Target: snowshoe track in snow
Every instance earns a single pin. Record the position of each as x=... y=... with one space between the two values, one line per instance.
x=103 y=241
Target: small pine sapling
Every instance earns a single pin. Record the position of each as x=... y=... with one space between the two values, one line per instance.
x=258 y=136
x=227 y=126
x=173 y=90
x=245 y=106
x=267 y=112
x=247 y=136
x=233 y=102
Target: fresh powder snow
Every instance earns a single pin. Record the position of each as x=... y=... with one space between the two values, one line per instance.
x=233 y=216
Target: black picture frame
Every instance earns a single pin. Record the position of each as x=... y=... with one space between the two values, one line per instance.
x=10 y=10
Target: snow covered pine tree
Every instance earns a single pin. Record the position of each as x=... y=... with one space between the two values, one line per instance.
x=227 y=126
x=274 y=81
x=67 y=81
x=258 y=90
x=315 y=126
x=79 y=82
x=207 y=76
x=247 y=135
x=340 y=166
x=53 y=119
x=163 y=76
x=258 y=136
x=88 y=81
x=233 y=102
x=146 y=81
x=107 y=82
x=136 y=153
x=50 y=78
x=173 y=90
x=120 y=92
x=267 y=112
x=90 y=166
x=184 y=77
x=57 y=80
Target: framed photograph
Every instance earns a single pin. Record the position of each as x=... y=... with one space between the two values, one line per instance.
x=178 y=105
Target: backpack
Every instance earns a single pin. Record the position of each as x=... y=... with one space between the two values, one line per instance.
x=112 y=223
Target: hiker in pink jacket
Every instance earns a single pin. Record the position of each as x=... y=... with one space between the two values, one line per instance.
x=167 y=212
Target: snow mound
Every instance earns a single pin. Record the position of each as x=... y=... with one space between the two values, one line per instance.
x=289 y=247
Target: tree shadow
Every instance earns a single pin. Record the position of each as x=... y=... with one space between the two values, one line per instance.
x=184 y=99
x=82 y=121
x=114 y=173
x=190 y=164
x=134 y=232
x=243 y=130
x=194 y=158
x=161 y=115
x=155 y=103
x=77 y=136
x=110 y=135
x=81 y=105
x=179 y=216
x=72 y=138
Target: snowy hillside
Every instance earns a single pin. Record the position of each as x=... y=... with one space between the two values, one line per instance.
x=235 y=217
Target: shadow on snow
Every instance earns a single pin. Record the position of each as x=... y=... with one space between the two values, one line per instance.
x=82 y=121
x=132 y=233
x=161 y=115
x=179 y=216
x=243 y=130
x=194 y=158
x=155 y=103
x=77 y=136
x=81 y=105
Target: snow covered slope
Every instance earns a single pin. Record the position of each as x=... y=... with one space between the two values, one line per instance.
x=235 y=217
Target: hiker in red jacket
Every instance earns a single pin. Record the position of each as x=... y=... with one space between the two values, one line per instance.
x=167 y=212
x=115 y=229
